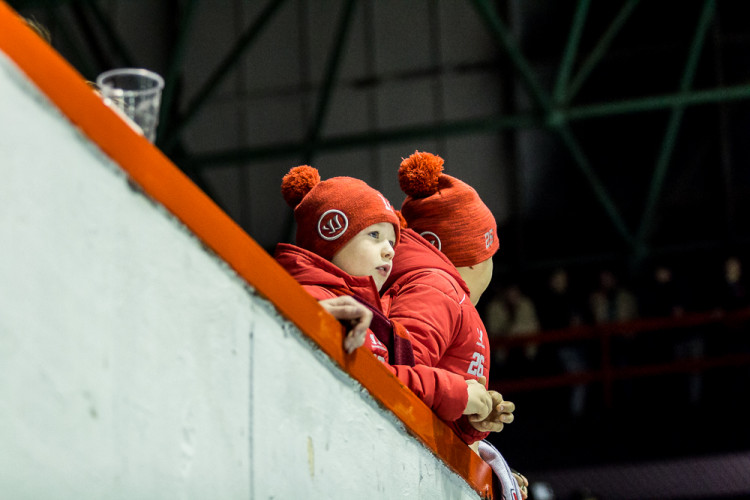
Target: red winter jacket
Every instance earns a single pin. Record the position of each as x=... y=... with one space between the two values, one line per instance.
x=444 y=392
x=426 y=294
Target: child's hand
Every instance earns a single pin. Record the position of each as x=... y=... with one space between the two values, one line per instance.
x=502 y=413
x=350 y=312
x=479 y=404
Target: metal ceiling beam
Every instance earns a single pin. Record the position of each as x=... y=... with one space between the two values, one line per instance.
x=102 y=60
x=654 y=103
x=31 y=4
x=670 y=136
x=555 y=117
x=569 y=56
x=464 y=127
x=94 y=27
x=111 y=35
x=226 y=65
x=600 y=49
x=176 y=56
x=332 y=70
x=730 y=201
x=324 y=97
x=501 y=34
x=353 y=141
x=79 y=53
x=560 y=98
x=598 y=187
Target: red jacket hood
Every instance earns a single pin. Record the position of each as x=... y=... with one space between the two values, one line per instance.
x=415 y=253
x=311 y=269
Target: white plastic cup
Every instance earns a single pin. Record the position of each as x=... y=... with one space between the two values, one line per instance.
x=137 y=92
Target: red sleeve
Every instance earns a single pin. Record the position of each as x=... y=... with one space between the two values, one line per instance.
x=319 y=292
x=427 y=307
x=441 y=390
x=444 y=392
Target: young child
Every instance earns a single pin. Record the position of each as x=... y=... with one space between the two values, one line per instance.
x=438 y=277
x=443 y=267
x=346 y=238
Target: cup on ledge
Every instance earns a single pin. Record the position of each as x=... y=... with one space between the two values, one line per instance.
x=137 y=93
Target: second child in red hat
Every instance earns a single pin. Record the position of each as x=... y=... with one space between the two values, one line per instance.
x=443 y=267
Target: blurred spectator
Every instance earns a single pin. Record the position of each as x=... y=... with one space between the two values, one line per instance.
x=733 y=292
x=731 y=295
x=610 y=302
x=558 y=310
x=558 y=307
x=511 y=313
x=662 y=297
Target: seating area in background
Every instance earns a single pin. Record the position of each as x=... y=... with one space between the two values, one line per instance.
x=663 y=373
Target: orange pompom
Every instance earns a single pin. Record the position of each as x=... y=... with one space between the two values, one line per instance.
x=297 y=183
x=418 y=174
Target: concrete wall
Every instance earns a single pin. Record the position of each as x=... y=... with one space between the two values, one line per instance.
x=136 y=364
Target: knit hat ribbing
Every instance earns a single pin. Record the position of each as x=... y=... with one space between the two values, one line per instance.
x=446 y=211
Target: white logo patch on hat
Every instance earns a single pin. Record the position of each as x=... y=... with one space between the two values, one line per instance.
x=489 y=238
x=386 y=203
x=433 y=239
x=332 y=224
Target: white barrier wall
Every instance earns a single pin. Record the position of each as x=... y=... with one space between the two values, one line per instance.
x=135 y=364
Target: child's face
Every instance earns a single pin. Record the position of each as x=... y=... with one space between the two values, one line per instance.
x=369 y=253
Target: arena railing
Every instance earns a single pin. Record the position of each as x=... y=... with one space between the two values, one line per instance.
x=716 y=324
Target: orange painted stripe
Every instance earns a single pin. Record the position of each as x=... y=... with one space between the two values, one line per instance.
x=165 y=183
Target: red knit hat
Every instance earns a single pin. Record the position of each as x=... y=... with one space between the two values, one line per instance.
x=330 y=213
x=446 y=211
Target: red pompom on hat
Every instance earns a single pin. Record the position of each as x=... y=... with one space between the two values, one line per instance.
x=446 y=211
x=297 y=183
x=330 y=213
